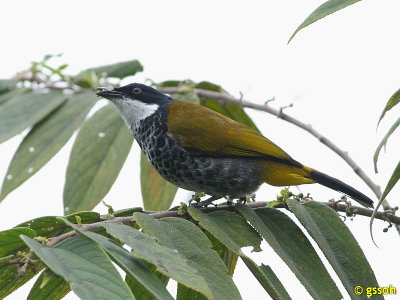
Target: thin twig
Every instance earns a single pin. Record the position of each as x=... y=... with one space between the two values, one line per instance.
x=356 y=210
x=307 y=127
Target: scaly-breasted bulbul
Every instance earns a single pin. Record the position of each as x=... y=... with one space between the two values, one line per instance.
x=201 y=150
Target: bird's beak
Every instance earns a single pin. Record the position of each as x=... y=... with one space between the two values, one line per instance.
x=108 y=93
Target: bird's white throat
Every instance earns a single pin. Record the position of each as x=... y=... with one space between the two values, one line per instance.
x=133 y=111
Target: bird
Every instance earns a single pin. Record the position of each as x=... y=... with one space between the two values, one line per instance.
x=200 y=150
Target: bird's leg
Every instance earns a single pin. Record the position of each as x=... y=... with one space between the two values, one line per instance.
x=229 y=200
x=243 y=200
x=205 y=203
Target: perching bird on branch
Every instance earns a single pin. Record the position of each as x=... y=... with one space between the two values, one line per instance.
x=201 y=150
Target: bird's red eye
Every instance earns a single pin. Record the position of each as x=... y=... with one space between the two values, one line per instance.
x=137 y=91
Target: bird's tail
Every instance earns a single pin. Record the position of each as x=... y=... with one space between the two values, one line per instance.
x=340 y=186
x=293 y=173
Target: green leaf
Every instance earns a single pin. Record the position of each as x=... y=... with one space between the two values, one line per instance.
x=233 y=111
x=157 y=193
x=327 y=8
x=10 y=242
x=45 y=139
x=118 y=70
x=228 y=257
x=7 y=85
x=169 y=83
x=267 y=278
x=166 y=259
x=229 y=228
x=191 y=243
x=337 y=243
x=49 y=286
x=6 y=96
x=234 y=232
x=97 y=156
x=52 y=226
x=383 y=143
x=10 y=277
x=391 y=183
x=290 y=243
x=24 y=110
x=393 y=101
x=86 y=267
x=137 y=288
x=129 y=263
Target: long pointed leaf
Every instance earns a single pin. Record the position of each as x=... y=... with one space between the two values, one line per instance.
x=290 y=243
x=157 y=193
x=329 y=7
x=10 y=244
x=391 y=183
x=118 y=70
x=383 y=143
x=191 y=243
x=337 y=243
x=85 y=266
x=167 y=260
x=97 y=156
x=45 y=139
x=129 y=263
x=392 y=102
x=24 y=110
x=49 y=286
x=234 y=232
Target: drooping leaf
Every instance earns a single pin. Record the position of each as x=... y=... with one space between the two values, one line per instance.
x=137 y=288
x=393 y=101
x=228 y=257
x=191 y=243
x=337 y=243
x=383 y=143
x=166 y=259
x=49 y=286
x=290 y=243
x=327 y=8
x=118 y=70
x=7 y=85
x=51 y=225
x=157 y=193
x=45 y=139
x=234 y=232
x=129 y=263
x=391 y=183
x=86 y=267
x=228 y=227
x=10 y=242
x=97 y=156
x=4 y=97
x=25 y=110
x=267 y=278
x=10 y=276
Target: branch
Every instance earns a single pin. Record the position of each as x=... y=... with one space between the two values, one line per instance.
x=226 y=98
x=355 y=210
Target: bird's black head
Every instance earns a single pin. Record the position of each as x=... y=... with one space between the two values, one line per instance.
x=134 y=91
x=135 y=101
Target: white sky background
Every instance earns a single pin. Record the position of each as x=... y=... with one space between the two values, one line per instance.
x=338 y=73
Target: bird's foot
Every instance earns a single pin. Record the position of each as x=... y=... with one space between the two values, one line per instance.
x=204 y=203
